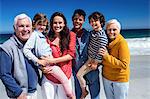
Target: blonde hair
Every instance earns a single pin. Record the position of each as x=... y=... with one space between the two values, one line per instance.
x=114 y=21
x=19 y=17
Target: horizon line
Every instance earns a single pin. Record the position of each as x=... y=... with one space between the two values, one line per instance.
x=11 y=32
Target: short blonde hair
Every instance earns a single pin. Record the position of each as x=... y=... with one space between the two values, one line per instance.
x=19 y=17
x=114 y=21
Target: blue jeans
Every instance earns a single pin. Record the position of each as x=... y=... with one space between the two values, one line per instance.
x=94 y=88
x=115 y=90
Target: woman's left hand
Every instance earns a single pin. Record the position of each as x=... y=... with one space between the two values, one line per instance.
x=48 y=59
x=103 y=51
x=46 y=69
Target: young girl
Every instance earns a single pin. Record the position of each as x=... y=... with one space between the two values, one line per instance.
x=37 y=47
x=98 y=40
x=40 y=23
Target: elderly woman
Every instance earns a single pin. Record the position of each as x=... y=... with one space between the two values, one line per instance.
x=116 y=60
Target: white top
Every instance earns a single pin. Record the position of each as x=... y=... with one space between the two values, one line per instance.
x=36 y=46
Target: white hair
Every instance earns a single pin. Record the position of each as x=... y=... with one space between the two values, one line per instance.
x=114 y=21
x=19 y=17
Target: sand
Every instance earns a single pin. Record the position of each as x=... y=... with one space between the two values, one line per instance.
x=139 y=80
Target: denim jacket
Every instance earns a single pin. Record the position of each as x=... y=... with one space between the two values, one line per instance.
x=82 y=56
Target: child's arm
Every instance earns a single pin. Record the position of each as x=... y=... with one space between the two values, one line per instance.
x=29 y=46
x=103 y=44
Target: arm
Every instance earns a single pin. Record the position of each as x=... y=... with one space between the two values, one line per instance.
x=102 y=44
x=70 y=52
x=6 y=74
x=33 y=42
x=124 y=56
x=72 y=45
x=30 y=44
x=103 y=41
x=59 y=59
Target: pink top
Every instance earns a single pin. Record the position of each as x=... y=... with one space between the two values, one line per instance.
x=67 y=65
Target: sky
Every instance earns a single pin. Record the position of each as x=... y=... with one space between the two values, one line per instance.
x=132 y=14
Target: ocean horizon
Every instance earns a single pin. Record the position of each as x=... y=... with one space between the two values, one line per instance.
x=138 y=40
x=127 y=33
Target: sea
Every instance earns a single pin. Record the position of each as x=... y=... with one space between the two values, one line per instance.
x=138 y=40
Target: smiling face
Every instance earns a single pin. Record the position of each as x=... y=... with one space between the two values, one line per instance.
x=23 y=29
x=40 y=23
x=58 y=24
x=96 y=25
x=41 y=27
x=78 y=21
x=112 y=31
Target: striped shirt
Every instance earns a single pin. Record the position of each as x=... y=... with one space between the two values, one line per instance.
x=98 y=40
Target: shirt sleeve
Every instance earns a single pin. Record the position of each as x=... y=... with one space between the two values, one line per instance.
x=103 y=43
x=123 y=60
x=72 y=44
x=6 y=74
x=27 y=50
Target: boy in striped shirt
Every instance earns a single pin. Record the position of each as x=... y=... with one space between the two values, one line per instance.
x=98 y=40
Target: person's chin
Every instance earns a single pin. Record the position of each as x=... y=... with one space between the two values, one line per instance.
x=26 y=37
x=96 y=30
x=112 y=38
x=58 y=30
x=41 y=31
x=77 y=26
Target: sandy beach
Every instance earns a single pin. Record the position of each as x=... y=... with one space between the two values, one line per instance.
x=139 y=80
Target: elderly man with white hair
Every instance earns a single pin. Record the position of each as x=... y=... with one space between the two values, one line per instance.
x=16 y=72
x=116 y=61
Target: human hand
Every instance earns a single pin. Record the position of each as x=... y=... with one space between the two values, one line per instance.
x=46 y=69
x=103 y=51
x=22 y=96
x=94 y=65
x=42 y=62
x=49 y=60
x=90 y=63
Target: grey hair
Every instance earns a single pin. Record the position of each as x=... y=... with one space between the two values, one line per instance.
x=21 y=16
x=114 y=21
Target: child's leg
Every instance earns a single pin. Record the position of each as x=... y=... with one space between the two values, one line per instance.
x=82 y=71
x=59 y=74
